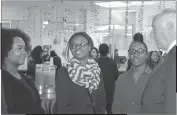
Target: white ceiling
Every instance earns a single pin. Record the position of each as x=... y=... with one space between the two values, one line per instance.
x=71 y=3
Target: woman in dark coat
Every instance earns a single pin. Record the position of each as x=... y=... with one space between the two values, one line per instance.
x=21 y=96
x=79 y=84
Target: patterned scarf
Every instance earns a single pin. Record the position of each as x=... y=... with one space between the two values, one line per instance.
x=87 y=76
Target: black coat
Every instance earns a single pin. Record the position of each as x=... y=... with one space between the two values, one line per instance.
x=21 y=97
x=110 y=74
x=74 y=99
x=159 y=95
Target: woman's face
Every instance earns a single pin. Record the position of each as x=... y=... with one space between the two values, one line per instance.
x=154 y=57
x=80 y=48
x=94 y=53
x=17 y=54
x=137 y=54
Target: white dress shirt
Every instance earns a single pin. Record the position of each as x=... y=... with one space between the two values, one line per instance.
x=171 y=46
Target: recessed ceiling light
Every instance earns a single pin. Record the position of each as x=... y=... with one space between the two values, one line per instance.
x=111 y=4
x=121 y=4
x=140 y=3
x=45 y=22
x=102 y=28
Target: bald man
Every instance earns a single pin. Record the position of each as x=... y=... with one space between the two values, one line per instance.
x=159 y=96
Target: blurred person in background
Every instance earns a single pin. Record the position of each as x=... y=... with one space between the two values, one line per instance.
x=94 y=53
x=33 y=59
x=154 y=59
x=56 y=61
x=116 y=57
x=110 y=74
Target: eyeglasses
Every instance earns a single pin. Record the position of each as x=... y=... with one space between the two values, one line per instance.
x=81 y=45
x=139 y=51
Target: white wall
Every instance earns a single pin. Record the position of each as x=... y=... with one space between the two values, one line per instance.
x=36 y=14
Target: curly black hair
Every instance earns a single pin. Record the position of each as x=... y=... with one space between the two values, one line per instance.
x=104 y=49
x=7 y=36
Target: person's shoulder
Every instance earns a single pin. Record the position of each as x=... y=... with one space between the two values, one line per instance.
x=62 y=69
x=62 y=74
x=113 y=60
x=5 y=75
x=123 y=77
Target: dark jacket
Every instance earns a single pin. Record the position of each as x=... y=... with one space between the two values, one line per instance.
x=57 y=63
x=110 y=74
x=159 y=96
x=21 y=97
x=73 y=99
x=4 y=109
x=170 y=84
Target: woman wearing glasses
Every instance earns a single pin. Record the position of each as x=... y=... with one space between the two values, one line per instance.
x=130 y=85
x=79 y=84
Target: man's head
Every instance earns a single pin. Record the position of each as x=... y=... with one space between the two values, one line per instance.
x=164 y=28
x=103 y=49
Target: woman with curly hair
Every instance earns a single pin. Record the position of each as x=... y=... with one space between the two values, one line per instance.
x=21 y=96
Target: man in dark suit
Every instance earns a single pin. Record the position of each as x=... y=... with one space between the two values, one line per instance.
x=160 y=93
x=110 y=73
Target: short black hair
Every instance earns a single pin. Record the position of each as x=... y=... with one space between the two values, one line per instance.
x=53 y=53
x=84 y=34
x=138 y=37
x=7 y=36
x=104 y=49
x=95 y=50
